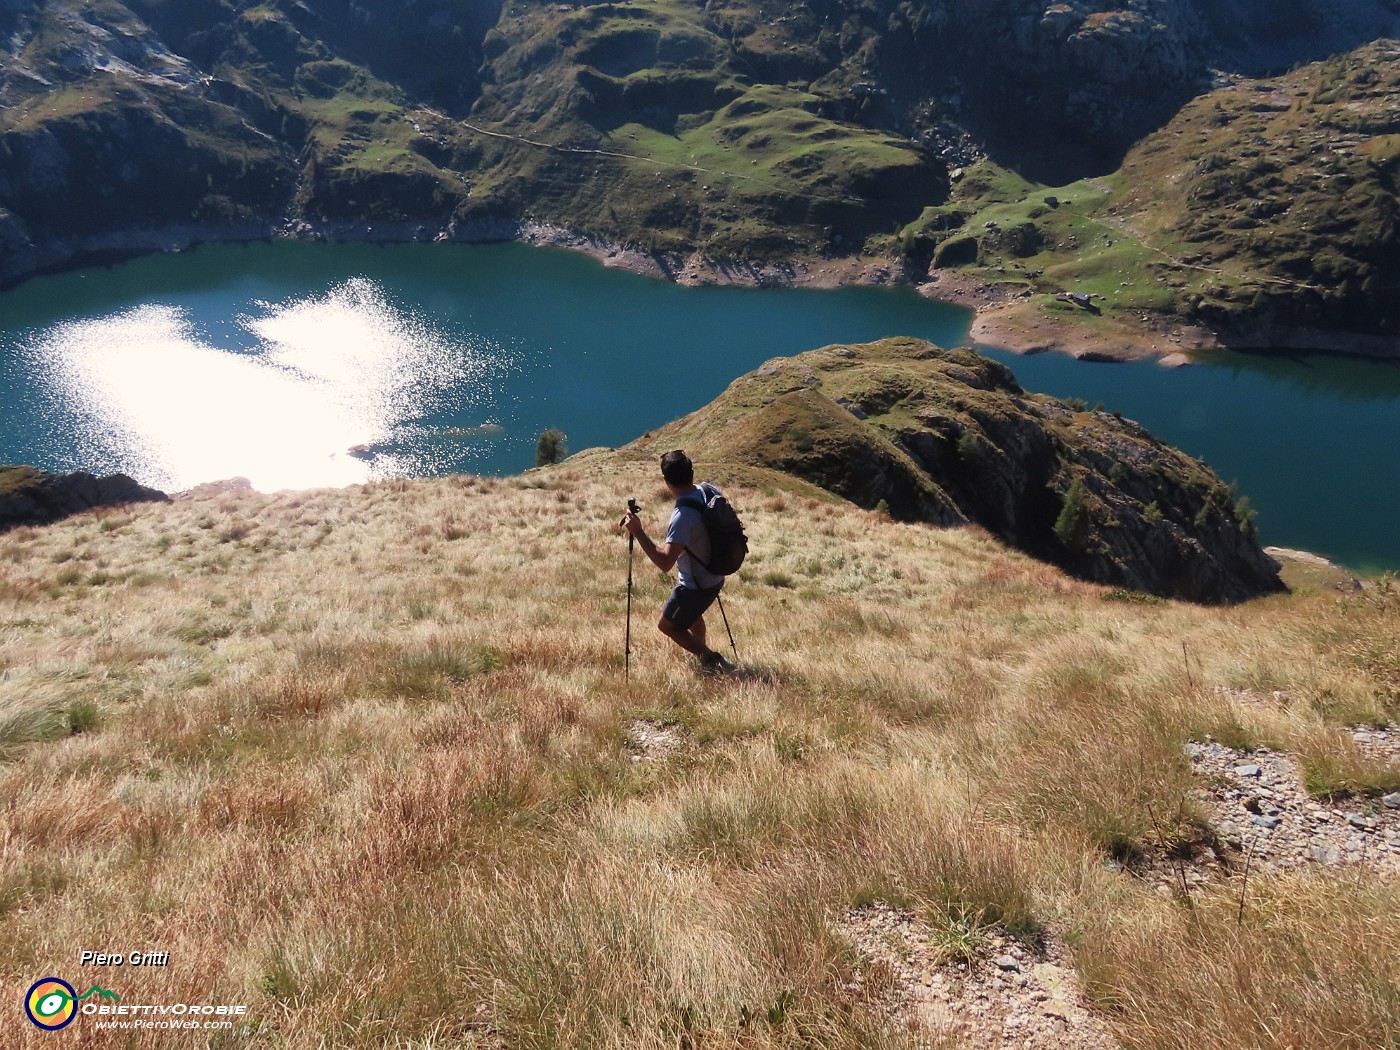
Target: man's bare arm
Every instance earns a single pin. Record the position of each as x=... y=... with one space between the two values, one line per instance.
x=663 y=557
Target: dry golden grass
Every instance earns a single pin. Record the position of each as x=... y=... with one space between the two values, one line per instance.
x=358 y=759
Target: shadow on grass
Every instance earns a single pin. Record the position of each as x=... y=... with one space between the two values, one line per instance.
x=758 y=673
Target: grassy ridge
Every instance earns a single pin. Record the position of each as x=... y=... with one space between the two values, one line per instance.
x=949 y=437
x=359 y=759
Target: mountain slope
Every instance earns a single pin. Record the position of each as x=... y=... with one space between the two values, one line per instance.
x=1284 y=195
x=367 y=760
x=709 y=135
x=741 y=129
x=1263 y=215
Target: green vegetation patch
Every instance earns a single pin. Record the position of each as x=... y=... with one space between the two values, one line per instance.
x=1005 y=228
x=769 y=155
x=18 y=480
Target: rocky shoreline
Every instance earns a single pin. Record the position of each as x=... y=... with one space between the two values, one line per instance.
x=23 y=260
x=1006 y=315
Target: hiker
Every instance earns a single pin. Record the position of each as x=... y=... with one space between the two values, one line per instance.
x=687 y=547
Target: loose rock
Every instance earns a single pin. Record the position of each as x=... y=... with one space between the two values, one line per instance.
x=972 y=1000
x=651 y=741
x=1269 y=818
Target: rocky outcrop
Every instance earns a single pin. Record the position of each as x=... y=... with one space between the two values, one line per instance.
x=35 y=497
x=948 y=437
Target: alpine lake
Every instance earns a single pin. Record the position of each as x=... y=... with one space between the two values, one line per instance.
x=273 y=361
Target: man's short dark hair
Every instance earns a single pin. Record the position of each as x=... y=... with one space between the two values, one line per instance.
x=677 y=468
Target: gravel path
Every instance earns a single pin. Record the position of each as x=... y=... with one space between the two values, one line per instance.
x=1002 y=994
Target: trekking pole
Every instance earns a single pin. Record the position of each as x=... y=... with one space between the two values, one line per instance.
x=720 y=599
x=631 y=546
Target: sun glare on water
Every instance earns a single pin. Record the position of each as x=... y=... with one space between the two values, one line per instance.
x=152 y=394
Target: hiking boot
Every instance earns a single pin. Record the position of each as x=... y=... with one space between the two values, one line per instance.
x=715 y=664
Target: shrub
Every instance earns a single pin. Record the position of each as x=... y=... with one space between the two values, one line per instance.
x=551 y=447
x=1073 y=524
x=1245 y=514
x=84 y=716
x=974 y=449
x=801 y=439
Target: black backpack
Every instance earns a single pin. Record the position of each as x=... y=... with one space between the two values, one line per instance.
x=728 y=544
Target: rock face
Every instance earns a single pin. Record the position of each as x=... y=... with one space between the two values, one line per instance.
x=948 y=437
x=34 y=497
x=105 y=127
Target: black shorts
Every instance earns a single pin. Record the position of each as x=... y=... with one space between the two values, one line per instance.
x=686 y=605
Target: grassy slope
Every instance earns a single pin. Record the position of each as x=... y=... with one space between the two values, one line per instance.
x=1268 y=201
x=698 y=154
x=1280 y=195
x=357 y=758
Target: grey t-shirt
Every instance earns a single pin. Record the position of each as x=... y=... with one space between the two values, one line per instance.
x=688 y=529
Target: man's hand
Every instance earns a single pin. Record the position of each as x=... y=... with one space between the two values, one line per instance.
x=664 y=558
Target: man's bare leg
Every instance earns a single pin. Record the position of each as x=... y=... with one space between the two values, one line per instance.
x=685 y=639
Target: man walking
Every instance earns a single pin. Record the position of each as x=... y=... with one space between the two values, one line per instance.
x=687 y=548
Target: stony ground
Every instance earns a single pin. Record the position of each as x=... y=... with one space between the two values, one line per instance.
x=1379 y=744
x=1262 y=818
x=983 y=988
x=970 y=988
x=649 y=741
x=1260 y=808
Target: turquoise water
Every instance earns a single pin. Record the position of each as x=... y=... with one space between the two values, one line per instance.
x=273 y=361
